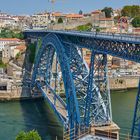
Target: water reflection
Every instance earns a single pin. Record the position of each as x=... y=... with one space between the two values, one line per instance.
x=28 y=115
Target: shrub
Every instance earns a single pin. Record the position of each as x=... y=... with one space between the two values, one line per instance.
x=31 y=135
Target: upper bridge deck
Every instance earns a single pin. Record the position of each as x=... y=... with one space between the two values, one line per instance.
x=124 y=46
x=100 y=35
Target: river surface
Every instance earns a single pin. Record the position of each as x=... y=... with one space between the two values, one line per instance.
x=123 y=103
x=28 y=115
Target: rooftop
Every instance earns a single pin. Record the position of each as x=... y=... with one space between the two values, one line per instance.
x=96 y=12
x=21 y=47
x=74 y=16
x=9 y=39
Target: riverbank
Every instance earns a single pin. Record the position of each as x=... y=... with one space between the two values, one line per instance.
x=24 y=93
x=19 y=93
x=123 y=83
x=16 y=116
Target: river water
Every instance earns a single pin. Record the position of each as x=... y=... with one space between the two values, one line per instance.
x=28 y=115
x=123 y=103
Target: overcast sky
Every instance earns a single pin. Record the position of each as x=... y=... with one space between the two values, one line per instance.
x=66 y=6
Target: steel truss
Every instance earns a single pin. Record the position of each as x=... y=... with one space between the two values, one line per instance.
x=75 y=75
x=98 y=104
x=42 y=74
x=135 y=131
x=86 y=89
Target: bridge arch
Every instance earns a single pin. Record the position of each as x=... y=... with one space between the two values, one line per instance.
x=123 y=46
x=42 y=68
x=76 y=76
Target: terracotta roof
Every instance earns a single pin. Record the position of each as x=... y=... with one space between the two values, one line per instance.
x=9 y=39
x=130 y=63
x=57 y=14
x=115 y=66
x=74 y=16
x=96 y=12
x=21 y=47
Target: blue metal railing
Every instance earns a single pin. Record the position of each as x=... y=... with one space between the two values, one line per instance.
x=57 y=96
x=116 y=36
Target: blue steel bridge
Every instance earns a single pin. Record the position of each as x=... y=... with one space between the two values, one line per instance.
x=59 y=62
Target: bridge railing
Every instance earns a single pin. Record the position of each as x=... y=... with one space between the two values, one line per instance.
x=122 y=36
x=128 y=37
x=71 y=134
x=57 y=96
x=107 y=35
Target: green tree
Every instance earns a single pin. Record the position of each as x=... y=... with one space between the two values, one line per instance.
x=52 y=21
x=32 y=135
x=2 y=65
x=32 y=52
x=131 y=11
x=86 y=27
x=7 y=33
x=60 y=20
x=108 y=12
x=98 y=29
x=17 y=55
x=136 y=22
x=19 y=35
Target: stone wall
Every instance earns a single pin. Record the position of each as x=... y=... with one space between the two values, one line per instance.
x=123 y=83
x=15 y=93
x=72 y=24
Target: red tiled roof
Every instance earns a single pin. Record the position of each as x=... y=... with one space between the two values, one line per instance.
x=57 y=14
x=9 y=39
x=115 y=66
x=74 y=16
x=21 y=47
x=96 y=12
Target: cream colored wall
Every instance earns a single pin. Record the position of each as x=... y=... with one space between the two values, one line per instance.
x=15 y=52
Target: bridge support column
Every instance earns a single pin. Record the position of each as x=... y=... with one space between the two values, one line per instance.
x=135 y=131
x=98 y=104
x=89 y=90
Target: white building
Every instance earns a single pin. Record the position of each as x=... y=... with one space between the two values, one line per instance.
x=11 y=50
x=8 y=51
x=6 y=41
x=7 y=20
x=40 y=20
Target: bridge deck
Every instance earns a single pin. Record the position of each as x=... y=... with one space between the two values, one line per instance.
x=124 y=46
x=114 y=36
x=58 y=105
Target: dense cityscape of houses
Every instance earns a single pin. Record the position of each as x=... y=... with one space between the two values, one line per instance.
x=46 y=20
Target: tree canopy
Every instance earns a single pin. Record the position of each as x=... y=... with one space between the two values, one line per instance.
x=136 y=22
x=86 y=27
x=32 y=51
x=2 y=65
x=32 y=135
x=60 y=20
x=131 y=11
x=108 y=12
x=7 y=33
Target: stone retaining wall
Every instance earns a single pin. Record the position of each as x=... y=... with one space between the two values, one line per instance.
x=123 y=83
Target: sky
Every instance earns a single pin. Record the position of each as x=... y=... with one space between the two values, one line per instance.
x=21 y=7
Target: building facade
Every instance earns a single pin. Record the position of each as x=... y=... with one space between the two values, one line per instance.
x=6 y=41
